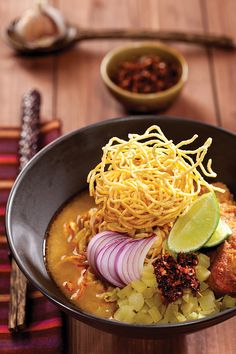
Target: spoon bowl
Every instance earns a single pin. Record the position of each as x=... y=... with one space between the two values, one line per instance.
x=15 y=41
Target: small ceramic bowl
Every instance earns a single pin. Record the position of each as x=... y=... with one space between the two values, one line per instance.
x=143 y=102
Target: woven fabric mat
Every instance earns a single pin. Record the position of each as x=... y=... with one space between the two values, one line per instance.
x=43 y=333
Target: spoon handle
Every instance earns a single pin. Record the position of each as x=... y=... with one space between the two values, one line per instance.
x=208 y=40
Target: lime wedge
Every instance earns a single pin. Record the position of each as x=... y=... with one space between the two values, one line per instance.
x=192 y=230
x=221 y=233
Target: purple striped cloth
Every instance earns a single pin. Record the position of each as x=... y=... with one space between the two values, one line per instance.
x=44 y=332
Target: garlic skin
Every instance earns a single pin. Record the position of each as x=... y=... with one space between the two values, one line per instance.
x=41 y=25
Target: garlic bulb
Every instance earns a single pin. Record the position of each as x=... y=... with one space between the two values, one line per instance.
x=41 y=25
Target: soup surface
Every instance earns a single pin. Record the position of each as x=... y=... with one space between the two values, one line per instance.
x=66 y=274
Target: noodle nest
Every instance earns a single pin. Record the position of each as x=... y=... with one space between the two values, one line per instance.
x=148 y=180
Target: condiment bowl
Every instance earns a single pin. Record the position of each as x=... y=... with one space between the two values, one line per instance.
x=143 y=102
x=60 y=170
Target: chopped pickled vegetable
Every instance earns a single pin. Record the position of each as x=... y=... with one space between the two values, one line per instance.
x=143 y=304
x=202 y=273
x=228 y=301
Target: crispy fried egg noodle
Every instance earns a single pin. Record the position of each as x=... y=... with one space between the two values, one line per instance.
x=148 y=181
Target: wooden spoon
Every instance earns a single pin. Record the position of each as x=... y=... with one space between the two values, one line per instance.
x=75 y=34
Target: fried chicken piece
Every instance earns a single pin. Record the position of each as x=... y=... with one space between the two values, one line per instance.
x=223 y=270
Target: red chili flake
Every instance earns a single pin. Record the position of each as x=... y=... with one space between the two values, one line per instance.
x=175 y=275
x=147 y=74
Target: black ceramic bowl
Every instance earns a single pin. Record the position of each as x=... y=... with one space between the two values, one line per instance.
x=59 y=171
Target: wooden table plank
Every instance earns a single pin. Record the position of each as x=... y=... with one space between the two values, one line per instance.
x=220 y=18
x=19 y=74
x=215 y=340
x=79 y=82
x=196 y=101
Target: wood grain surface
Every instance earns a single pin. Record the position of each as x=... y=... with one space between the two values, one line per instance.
x=72 y=90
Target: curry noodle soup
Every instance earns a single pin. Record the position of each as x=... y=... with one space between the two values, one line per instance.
x=151 y=241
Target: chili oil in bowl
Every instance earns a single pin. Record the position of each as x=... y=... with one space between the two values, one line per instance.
x=144 y=77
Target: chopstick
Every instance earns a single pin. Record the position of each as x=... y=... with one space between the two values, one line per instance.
x=28 y=146
x=18 y=284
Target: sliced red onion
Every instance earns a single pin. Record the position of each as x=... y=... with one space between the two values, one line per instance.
x=148 y=242
x=99 y=241
x=118 y=258
x=111 y=262
x=132 y=257
x=122 y=266
x=102 y=263
x=127 y=270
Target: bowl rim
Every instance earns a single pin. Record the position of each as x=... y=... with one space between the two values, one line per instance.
x=144 y=96
x=67 y=306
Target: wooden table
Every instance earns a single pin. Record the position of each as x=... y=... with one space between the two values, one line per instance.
x=72 y=90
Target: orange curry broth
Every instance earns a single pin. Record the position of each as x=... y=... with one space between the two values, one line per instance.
x=58 y=246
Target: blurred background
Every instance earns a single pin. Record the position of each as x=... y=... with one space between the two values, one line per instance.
x=73 y=76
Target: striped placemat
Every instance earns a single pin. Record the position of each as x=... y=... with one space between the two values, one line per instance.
x=44 y=331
